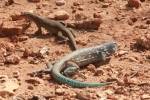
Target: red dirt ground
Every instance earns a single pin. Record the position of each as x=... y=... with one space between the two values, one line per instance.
x=131 y=71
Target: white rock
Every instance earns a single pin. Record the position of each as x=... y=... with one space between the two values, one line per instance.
x=60 y=2
x=61 y=15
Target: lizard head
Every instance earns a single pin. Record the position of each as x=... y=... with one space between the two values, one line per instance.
x=109 y=48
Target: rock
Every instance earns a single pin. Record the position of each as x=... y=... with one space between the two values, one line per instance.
x=122 y=52
x=34 y=1
x=148 y=22
x=81 y=7
x=143 y=42
x=97 y=15
x=142 y=0
x=134 y=3
x=91 y=68
x=133 y=59
x=16 y=16
x=7 y=86
x=61 y=15
x=12 y=59
x=11 y=28
x=43 y=51
x=37 y=97
x=7 y=46
x=33 y=60
x=29 y=52
x=2 y=54
x=82 y=42
x=16 y=74
x=34 y=81
x=145 y=96
x=99 y=72
x=9 y=2
x=105 y=5
x=80 y=16
x=90 y=24
x=84 y=95
x=60 y=2
x=60 y=91
x=23 y=38
x=30 y=87
x=76 y=3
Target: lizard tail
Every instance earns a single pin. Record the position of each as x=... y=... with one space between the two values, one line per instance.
x=75 y=83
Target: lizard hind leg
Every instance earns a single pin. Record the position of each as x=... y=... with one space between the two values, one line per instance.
x=71 y=69
x=39 y=31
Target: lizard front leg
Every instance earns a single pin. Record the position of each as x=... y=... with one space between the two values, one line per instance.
x=62 y=37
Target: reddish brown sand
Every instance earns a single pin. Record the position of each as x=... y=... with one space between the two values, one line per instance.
x=130 y=71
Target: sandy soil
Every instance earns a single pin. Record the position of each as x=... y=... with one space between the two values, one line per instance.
x=129 y=67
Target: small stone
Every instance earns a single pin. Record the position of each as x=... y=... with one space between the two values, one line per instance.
x=76 y=3
x=91 y=68
x=99 y=72
x=83 y=95
x=30 y=87
x=23 y=38
x=60 y=2
x=81 y=42
x=80 y=16
x=134 y=19
x=142 y=0
x=122 y=52
x=91 y=24
x=143 y=41
x=134 y=3
x=13 y=59
x=37 y=97
x=61 y=15
x=43 y=51
x=11 y=28
x=33 y=60
x=81 y=8
x=34 y=1
x=16 y=74
x=9 y=2
x=145 y=96
x=7 y=86
x=16 y=16
x=133 y=59
x=105 y=5
x=148 y=22
x=34 y=81
x=97 y=15
x=60 y=91
x=30 y=53
x=7 y=46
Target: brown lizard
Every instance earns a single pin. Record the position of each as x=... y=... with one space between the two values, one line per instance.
x=51 y=26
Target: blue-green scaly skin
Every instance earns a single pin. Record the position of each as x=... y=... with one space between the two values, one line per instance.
x=83 y=57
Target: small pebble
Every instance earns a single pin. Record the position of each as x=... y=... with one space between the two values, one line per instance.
x=13 y=59
x=97 y=15
x=60 y=91
x=134 y=3
x=34 y=1
x=60 y=2
x=61 y=15
x=34 y=81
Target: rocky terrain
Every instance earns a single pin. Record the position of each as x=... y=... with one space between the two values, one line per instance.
x=94 y=22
